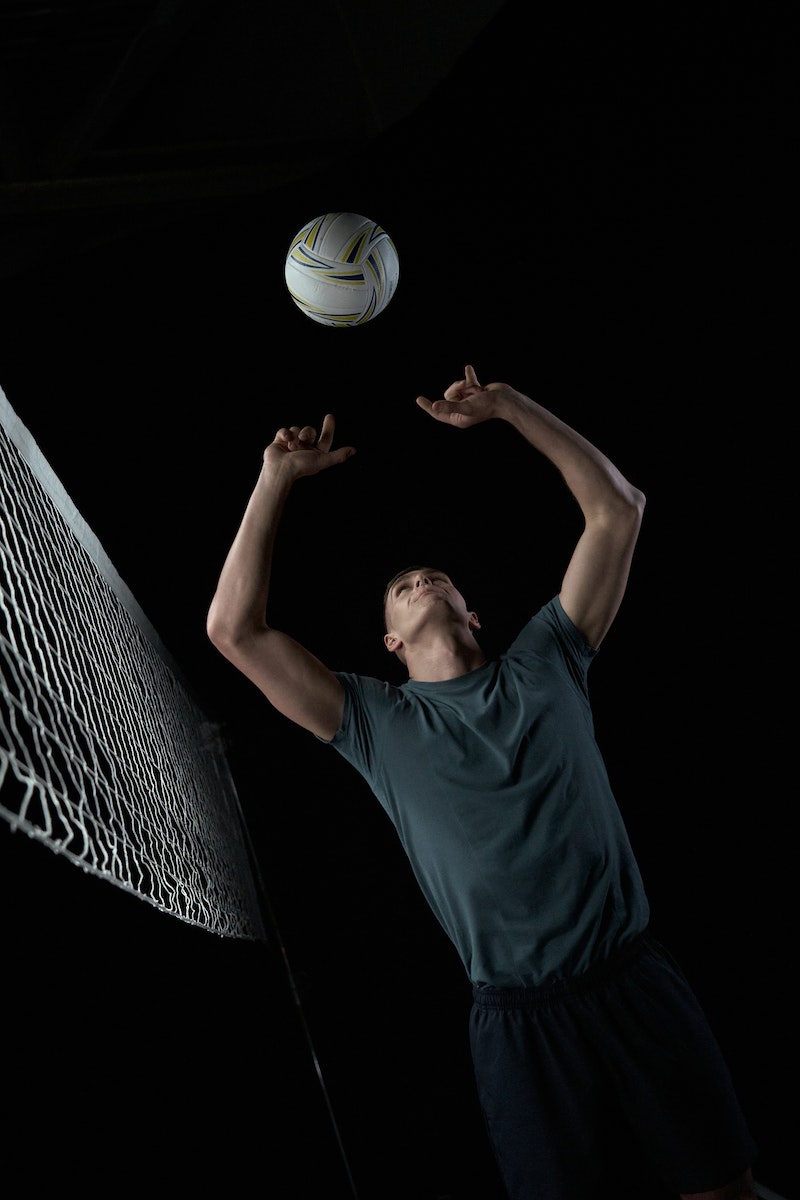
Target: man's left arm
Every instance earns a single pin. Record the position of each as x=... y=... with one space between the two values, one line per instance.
x=597 y=575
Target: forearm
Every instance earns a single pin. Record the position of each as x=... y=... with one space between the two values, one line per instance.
x=238 y=608
x=597 y=485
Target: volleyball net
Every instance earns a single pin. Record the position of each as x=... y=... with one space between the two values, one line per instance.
x=105 y=755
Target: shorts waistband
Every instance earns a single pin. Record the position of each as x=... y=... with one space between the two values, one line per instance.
x=508 y=998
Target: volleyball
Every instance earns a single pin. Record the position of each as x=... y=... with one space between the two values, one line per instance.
x=341 y=269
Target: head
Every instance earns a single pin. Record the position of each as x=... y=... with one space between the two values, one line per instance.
x=403 y=620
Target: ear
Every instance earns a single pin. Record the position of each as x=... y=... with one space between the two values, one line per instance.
x=474 y=623
x=391 y=642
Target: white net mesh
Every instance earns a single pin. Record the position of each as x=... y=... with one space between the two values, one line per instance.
x=105 y=756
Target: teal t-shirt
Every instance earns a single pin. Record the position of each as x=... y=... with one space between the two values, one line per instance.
x=498 y=791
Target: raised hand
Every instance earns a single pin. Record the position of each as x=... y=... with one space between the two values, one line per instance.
x=297 y=448
x=465 y=402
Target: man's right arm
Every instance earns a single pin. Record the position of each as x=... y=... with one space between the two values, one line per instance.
x=294 y=681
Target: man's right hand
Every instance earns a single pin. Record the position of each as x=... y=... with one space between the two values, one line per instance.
x=297 y=450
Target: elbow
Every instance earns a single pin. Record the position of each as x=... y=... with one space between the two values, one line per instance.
x=634 y=510
x=236 y=636
x=637 y=502
x=221 y=632
x=629 y=500
x=218 y=635
x=624 y=511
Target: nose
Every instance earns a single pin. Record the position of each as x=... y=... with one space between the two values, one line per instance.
x=421 y=580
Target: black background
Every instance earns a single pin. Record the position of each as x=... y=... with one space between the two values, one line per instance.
x=599 y=210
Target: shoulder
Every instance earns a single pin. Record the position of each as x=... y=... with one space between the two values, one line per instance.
x=366 y=691
x=550 y=627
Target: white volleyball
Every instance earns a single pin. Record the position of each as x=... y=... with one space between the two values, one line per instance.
x=342 y=269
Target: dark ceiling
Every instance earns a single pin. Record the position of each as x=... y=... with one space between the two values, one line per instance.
x=118 y=115
x=127 y=110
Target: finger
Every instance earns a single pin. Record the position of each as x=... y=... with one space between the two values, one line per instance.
x=283 y=436
x=440 y=410
x=328 y=428
x=456 y=391
x=471 y=377
x=338 y=456
x=297 y=437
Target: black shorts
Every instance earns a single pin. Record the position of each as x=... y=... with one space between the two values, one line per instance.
x=625 y=1046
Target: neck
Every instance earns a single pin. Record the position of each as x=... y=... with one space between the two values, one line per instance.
x=441 y=662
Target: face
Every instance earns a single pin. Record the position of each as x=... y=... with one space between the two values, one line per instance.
x=413 y=594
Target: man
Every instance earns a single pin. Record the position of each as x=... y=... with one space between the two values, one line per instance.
x=490 y=771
